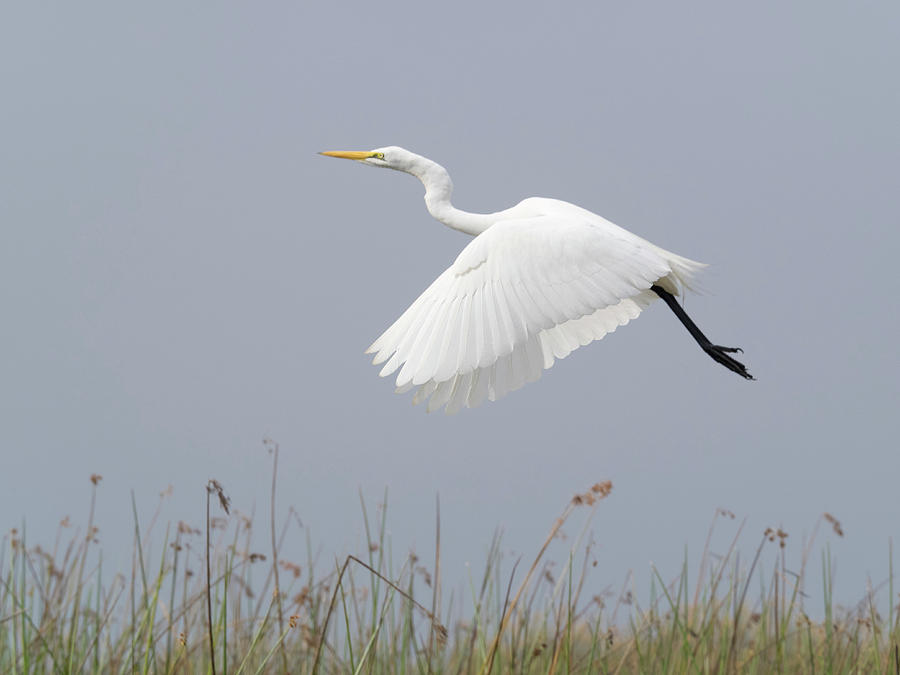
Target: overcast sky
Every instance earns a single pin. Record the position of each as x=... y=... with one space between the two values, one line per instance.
x=182 y=275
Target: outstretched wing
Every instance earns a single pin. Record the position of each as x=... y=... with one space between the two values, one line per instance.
x=520 y=295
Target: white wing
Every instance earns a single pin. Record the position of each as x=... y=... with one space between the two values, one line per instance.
x=521 y=294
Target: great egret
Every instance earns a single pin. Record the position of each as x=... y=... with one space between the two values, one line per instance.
x=539 y=280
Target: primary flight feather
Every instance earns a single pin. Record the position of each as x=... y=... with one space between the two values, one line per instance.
x=539 y=280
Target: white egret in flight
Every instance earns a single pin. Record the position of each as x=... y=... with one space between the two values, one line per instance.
x=539 y=280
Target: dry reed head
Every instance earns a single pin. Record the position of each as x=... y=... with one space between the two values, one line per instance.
x=597 y=492
x=776 y=534
x=426 y=576
x=303 y=597
x=184 y=528
x=835 y=524
x=293 y=568
x=440 y=633
x=214 y=486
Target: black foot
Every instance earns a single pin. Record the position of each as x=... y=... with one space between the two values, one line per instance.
x=719 y=354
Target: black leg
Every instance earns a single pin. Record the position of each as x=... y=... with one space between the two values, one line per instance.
x=717 y=353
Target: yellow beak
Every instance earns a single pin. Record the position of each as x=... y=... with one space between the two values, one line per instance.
x=348 y=154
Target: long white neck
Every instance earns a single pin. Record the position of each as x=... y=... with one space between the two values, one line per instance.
x=438 y=189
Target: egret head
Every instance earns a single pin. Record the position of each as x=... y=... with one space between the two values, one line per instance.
x=434 y=177
x=390 y=157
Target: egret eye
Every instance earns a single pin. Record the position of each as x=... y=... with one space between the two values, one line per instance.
x=378 y=155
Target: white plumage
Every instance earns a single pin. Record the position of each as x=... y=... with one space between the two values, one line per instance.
x=538 y=281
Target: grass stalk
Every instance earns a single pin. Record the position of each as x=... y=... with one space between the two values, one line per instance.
x=62 y=612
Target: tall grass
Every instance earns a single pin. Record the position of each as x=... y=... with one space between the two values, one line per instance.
x=252 y=612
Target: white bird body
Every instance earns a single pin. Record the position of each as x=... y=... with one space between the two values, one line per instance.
x=539 y=280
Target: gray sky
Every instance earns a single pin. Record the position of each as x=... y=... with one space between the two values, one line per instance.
x=181 y=275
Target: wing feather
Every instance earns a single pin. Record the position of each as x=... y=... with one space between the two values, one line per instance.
x=421 y=343
x=441 y=394
x=439 y=365
x=476 y=350
x=500 y=376
x=493 y=336
x=508 y=337
x=460 y=393
x=423 y=392
x=465 y=319
x=479 y=389
x=536 y=362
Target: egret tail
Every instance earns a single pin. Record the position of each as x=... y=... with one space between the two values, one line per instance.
x=718 y=353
